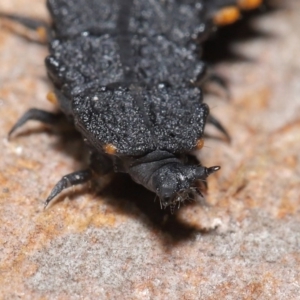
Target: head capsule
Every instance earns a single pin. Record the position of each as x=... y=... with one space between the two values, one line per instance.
x=175 y=183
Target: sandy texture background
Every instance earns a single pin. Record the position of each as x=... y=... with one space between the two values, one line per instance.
x=115 y=242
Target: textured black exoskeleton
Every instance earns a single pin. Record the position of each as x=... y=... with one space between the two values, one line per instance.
x=127 y=74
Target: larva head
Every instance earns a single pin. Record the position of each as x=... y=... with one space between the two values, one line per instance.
x=175 y=183
x=168 y=177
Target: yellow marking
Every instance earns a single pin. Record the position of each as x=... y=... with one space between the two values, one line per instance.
x=110 y=149
x=42 y=33
x=199 y=144
x=226 y=15
x=249 y=4
x=51 y=97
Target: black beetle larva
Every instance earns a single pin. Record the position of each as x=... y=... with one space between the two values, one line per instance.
x=127 y=74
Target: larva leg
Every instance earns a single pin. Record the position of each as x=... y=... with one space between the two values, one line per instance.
x=212 y=120
x=35 y=114
x=69 y=180
x=216 y=84
x=99 y=164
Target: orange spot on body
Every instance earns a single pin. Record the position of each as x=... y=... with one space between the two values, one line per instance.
x=199 y=144
x=110 y=149
x=51 y=97
x=249 y=4
x=226 y=16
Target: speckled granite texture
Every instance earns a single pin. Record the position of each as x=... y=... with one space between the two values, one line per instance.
x=115 y=242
